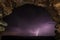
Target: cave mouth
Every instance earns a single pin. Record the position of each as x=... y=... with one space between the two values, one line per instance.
x=26 y=19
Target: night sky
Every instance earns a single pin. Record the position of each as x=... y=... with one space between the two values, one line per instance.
x=30 y=20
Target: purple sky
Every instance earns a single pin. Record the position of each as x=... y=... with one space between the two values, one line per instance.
x=30 y=20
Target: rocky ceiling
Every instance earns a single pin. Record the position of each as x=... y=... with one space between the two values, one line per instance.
x=8 y=5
